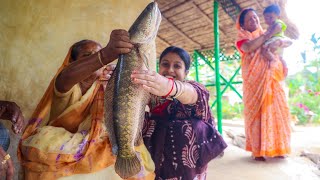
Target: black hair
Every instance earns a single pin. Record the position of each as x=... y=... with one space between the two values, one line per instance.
x=183 y=54
x=243 y=15
x=273 y=8
x=76 y=48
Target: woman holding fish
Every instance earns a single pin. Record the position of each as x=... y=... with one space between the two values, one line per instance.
x=179 y=130
x=66 y=137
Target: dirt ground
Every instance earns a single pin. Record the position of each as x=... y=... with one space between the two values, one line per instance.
x=236 y=164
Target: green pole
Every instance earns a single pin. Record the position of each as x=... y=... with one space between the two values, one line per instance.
x=195 y=55
x=217 y=62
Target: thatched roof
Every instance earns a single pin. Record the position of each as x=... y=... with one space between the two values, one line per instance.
x=189 y=23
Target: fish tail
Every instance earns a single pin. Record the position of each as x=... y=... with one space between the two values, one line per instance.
x=127 y=167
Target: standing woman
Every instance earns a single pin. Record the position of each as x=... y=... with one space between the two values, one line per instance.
x=179 y=130
x=265 y=106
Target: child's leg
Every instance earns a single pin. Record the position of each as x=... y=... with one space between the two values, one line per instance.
x=275 y=44
x=286 y=42
x=280 y=43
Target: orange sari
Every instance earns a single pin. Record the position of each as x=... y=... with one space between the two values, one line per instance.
x=47 y=149
x=266 y=111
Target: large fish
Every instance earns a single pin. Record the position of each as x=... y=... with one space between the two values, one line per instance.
x=125 y=102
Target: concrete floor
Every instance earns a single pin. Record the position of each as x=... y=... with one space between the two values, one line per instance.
x=236 y=164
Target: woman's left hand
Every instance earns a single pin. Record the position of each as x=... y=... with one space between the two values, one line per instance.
x=152 y=82
x=106 y=74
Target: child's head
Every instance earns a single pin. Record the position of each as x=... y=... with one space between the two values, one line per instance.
x=271 y=13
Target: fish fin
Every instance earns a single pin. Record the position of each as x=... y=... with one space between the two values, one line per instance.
x=142 y=55
x=115 y=149
x=108 y=114
x=145 y=60
x=138 y=140
x=127 y=167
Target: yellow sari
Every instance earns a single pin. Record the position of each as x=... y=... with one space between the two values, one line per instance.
x=73 y=143
x=266 y=111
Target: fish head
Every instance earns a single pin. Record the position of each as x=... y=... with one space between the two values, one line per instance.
x=145 y=28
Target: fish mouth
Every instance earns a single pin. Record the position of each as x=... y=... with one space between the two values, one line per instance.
x=156 y=20
x=158 y=16
x=154 y=24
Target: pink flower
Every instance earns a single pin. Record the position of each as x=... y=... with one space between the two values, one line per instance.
x=300 y=105
x=304 y=107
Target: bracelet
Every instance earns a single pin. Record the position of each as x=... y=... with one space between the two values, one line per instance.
x=170 y=79
x=181 y=90
x=176 y=90
x=99 y=58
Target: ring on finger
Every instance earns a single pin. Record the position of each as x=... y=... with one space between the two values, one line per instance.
x=5 y=159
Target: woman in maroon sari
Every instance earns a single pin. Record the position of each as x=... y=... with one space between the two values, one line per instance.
x=179 y=130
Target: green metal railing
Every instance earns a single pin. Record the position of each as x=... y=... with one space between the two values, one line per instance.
x=213 y=58
x=207 y=60
x=217 y=62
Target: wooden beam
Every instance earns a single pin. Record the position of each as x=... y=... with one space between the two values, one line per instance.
x=207 y=18
x=164 y=19
x=163 y=41
x=181 y=4
x=258 y=4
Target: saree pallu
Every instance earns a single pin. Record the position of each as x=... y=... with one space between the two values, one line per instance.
x=266 y=112
x=75 y=143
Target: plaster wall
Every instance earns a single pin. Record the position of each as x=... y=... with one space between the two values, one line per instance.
x=35 y=36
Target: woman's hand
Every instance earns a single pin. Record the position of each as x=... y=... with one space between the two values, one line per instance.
x=11 y=111
x=119 y=43
x=6 y=165
x=106 y=74
x=152 y=82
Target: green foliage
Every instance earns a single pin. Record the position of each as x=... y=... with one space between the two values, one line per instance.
x=305 y=106
x=304 y=88
x=206 y=74
x=231 y=111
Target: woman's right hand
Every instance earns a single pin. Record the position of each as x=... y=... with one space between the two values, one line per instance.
x=152 y=82
x=119 y=43
x=6 y=166
x=11 y=111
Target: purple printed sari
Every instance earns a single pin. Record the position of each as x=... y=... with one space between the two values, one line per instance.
x=181 y=138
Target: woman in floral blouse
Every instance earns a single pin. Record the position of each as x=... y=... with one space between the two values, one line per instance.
x=179 y=129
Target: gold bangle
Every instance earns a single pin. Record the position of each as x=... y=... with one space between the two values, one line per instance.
x=99 y=58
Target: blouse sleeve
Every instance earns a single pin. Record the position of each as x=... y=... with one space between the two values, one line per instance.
x=61 y=101
x=239 y=44
x=201 y=109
